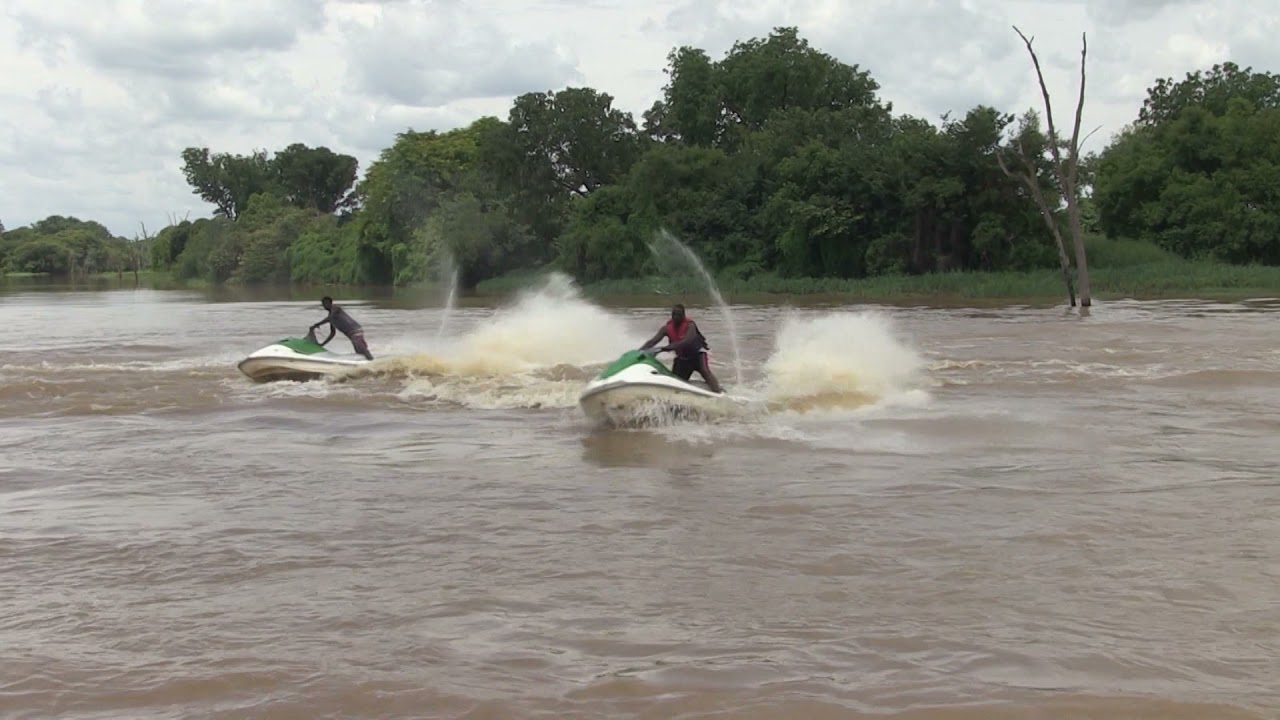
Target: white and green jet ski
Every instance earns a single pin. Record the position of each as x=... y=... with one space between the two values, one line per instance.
x=637 y=388
x=297 y=359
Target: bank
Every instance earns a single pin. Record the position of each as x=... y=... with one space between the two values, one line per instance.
x=1118 y=269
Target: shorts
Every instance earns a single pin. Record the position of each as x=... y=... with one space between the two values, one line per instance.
x=685 y=367
x=357 y=342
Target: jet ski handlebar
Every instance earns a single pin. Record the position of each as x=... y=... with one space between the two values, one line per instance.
x=311 y=335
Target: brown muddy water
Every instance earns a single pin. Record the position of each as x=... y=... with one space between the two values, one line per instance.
x=950 y=512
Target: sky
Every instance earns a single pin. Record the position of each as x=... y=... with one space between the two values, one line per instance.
x=99 y=97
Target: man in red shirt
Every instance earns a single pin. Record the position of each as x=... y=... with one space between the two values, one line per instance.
x=687 y=342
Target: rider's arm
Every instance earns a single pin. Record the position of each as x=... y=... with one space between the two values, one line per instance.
x=662 y=332
x=328 y=318
x=332 y=330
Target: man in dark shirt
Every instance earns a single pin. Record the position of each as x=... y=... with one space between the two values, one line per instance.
x=689 y=345
x=340 y=321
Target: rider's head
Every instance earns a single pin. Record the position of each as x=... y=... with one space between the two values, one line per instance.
x=677 y=313
x=327 y=302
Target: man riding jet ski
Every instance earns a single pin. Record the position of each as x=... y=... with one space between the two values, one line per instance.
x=690 y=346
x=631 y=389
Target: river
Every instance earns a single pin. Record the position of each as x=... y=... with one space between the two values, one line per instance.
x=949 y=512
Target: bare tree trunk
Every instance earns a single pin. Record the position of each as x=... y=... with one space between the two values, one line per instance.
x=1029 y=177
x=139 y=251
x=1073 y=197
x=1067 y=170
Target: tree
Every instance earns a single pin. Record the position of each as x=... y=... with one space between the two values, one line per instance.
x=776 y=159
x=1066 y=169
x=574 y=138
x=1196 y=174
x=765 y=75
x=60 y=245
x=1200 y=185
x=404 y=186
x=1212 y=91
x=690 y=110
x=314 y=178
x=719 y=104
x=478 y=237
x=225 y=180
x=1029 y=172
x=138 y=250
x=311 y=178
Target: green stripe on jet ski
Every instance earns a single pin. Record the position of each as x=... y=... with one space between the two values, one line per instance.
x=634 y=357
x=303 y=346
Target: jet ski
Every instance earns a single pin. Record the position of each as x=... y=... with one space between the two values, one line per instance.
x=297 y=359
x=638 y=389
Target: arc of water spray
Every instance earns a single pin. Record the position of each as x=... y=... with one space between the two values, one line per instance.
x=692 y=257
x=452 y=298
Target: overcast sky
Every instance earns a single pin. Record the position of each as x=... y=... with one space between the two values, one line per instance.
x=100 y=97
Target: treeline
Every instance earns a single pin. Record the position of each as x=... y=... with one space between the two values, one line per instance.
x=68 y=246
x=776 y=159
x=1199 y=172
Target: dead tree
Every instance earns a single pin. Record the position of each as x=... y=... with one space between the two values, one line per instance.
x=1067 y=170
x=1027 y=173
x=138 y=250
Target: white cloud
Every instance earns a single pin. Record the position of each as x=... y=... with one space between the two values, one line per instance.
x=429 y=55
x=100 y=98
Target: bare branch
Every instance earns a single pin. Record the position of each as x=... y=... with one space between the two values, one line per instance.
x=1075 y=132
x=1004 y=168
x=1030 y=177
x=1044 y=91
x=1091 y=132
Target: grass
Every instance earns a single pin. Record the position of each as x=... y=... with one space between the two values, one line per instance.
x=91 y=276
x=1117 y=269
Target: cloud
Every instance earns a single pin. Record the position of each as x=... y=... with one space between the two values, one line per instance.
x=100 y=98
x=167 y=38
x=429 y=55
x=1125 y=12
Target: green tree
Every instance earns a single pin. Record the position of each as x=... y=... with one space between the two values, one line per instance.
x=574 y=139
x=691 y=108
x=61 y=245
x=225 y=180
x=694 y=192
x=315 y=178
x=1212 y=91
x=479 y=237
x=1197 y=174
x=775 y=159
x=404 y=187
x=782 y=71
x=707 y=103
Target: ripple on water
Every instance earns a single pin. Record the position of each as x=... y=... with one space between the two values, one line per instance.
x=1064 y=517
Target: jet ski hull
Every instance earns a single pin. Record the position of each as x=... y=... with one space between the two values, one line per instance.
x=639 y=390
x=297 y=360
